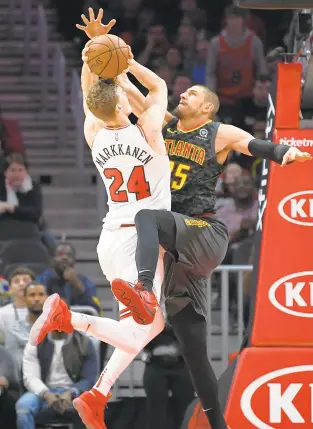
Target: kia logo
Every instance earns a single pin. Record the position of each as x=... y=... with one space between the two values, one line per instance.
x=281 y=400
x=296 y=291
x=298 y=208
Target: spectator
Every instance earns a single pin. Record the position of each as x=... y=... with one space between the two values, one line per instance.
x=168 y=75
x=198 y=73
x=54 y=372
x=235 y=57
x=156 y=47
x=14 y=314
x=239 y=213
x=9 y=389
x=63 y=279
x=225 y=185
x=174 y=59
x=20 y=196
x=181 y=83
x=16 y=340
x=186 y=42
x=166 y=371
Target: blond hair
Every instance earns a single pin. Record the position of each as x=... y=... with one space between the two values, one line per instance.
x=102 y=97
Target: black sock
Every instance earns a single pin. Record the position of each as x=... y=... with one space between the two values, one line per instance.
x=146 y=278
x=147 y=252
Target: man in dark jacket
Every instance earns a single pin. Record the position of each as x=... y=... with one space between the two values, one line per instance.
x=54 y=373
x=9 y=389
x=64 y=279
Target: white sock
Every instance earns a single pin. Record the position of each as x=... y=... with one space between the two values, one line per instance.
x=120 y=360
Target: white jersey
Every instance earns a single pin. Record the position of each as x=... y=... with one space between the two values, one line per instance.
x=135 y=176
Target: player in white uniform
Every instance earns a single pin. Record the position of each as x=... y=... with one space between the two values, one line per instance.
x=134 y=166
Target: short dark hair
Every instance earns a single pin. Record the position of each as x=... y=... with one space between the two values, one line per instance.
x=21 y=271
x=232 y=10
x=34 y=283
x=264 y=78
x=102 y=96
x=16 y=157
x=212 y=97
x=65 y=243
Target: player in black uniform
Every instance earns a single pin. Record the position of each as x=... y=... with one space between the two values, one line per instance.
x=195 y=240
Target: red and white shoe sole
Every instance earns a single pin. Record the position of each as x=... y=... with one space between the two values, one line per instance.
x=128 y=296
x=43 y=320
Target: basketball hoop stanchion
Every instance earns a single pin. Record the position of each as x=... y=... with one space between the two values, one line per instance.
x=269 y=384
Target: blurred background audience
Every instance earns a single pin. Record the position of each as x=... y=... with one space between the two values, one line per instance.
x=185 y=42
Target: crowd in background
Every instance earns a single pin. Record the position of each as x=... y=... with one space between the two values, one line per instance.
x=185 y=42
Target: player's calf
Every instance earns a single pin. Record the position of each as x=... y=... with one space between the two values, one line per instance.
x=137 y=299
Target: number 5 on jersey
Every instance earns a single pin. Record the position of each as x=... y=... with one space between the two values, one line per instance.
x=137 y=184
x=179 y=172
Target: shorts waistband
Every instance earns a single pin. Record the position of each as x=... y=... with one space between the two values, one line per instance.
x=204 y=214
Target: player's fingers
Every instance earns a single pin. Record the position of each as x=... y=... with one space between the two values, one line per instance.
x=111 y=24
x=85 y=19
x=80 y=27
x=285 y=160
x=100 y=14
x=91 y=14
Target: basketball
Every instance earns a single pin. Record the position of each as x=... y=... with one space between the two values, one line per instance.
x=107 y=56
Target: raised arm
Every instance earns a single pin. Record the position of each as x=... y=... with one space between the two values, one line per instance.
x=155 y=105
x=233 y=138
x=92 y=124
x=94 y=27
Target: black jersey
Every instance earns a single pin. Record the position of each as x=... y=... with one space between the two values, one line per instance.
x=195 y=170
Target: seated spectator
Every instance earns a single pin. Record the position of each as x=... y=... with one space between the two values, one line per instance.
x=16 y=340
x=256 y=110
x=9 y=389
x=186 y=42
x=174 y=59
x=20 y=196
x=225 y=184
x=198 y=72
x=155 y=49
x=14 y=314
x=63 y=279
x=181 y=83
x=167 y=75
x=166 y=371
x=54 y=373
x=239 y=213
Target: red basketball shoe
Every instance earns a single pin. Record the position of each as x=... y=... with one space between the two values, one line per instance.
x=139 y=301
x=55 y=316
x=90 y=407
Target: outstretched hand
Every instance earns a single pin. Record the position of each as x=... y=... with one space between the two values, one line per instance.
x=94 y=26
x=294 y=154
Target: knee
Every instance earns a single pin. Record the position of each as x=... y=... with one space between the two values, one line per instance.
x=143 y=215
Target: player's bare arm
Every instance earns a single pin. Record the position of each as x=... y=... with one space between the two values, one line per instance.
x=151 y=120
x=231 y=138
x=92 y=124
x=93 y=28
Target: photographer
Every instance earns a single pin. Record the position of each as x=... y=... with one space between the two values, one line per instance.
x=63 y=279
x=166 y=371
